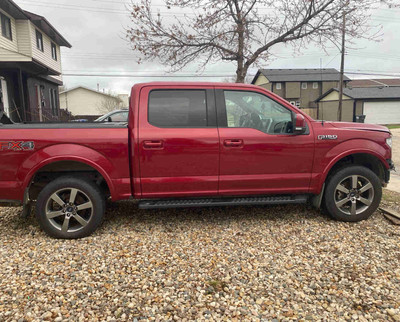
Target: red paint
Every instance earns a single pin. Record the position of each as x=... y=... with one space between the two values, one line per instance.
x=145 y=161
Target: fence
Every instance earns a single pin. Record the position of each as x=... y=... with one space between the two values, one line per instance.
x=313 y=112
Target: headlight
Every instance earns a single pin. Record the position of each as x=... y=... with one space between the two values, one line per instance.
x=389 y=142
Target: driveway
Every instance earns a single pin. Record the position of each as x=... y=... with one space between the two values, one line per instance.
x=239 y=263
x=394 y=184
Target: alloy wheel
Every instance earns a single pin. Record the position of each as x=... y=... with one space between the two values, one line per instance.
x=354 y=195
x=69 y=210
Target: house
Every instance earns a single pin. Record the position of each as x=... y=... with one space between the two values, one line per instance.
x=301 y=87
x=379 y=105
x=124 y=100
x=30 y=65
x=88 y=103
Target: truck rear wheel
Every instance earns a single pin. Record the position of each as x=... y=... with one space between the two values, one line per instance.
x=69 y=208
x=353 y=194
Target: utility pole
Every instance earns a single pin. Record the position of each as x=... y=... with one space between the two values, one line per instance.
x=342 y=68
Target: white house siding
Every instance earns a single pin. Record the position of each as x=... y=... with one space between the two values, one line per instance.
x=81 y=101
x=45 y=56
x=23 y=28
x=11 y=56
x=7 y=43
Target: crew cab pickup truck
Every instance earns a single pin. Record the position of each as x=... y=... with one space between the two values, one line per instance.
x=193 y=145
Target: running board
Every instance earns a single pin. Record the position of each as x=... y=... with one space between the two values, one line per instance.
x=216 y=202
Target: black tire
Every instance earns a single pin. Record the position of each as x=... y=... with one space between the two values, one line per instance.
x=77 y=219
x=366 y=202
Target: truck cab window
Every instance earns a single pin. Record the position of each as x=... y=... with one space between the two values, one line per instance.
x=178 y=108
x=253 y=110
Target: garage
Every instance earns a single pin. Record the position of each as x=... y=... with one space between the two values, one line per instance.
x=376 y=105
x=383 y=112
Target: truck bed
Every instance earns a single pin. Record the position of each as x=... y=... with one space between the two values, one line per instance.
x=26 y=149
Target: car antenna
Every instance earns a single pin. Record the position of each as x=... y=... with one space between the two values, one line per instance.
x=322 y=112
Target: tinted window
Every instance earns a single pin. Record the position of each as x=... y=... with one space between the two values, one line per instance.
x=253 y=110
x=178 y=108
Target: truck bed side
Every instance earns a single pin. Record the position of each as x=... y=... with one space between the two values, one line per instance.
x=30 y=150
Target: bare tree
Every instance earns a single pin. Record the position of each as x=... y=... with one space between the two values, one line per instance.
x=109 y=103
x=242 y=31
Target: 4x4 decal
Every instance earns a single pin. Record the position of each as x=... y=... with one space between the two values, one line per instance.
x=17 y=145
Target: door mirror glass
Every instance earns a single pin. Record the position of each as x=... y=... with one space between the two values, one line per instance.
x=300 y=124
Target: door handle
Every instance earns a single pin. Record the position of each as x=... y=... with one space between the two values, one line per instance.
x=154 y=144
x=233 y=143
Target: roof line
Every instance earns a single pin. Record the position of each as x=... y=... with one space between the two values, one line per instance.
x=28 y=13
x=89 y=89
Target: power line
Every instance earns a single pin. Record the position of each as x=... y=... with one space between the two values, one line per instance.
x=126 y=12
x=376 y=73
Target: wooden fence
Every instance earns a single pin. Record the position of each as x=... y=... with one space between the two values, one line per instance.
x=313 y=112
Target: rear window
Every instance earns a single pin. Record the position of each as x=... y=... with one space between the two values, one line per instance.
x=178 y=108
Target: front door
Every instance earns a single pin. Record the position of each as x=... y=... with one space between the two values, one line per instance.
x=178 y=142
x=259 y=152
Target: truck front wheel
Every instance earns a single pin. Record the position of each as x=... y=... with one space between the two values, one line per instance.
x=353 y=194
x=70 y=208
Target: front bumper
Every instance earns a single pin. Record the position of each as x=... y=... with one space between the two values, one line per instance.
x=387 y=171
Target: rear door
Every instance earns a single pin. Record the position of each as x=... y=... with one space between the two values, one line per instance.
x=178 y=142
x=259 y=152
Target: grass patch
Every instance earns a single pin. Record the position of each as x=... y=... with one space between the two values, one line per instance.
x=393 y=126
x=390 y=196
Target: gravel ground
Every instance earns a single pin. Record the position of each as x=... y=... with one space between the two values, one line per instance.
x=255 y=263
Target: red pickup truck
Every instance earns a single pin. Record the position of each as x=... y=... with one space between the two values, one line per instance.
x=192 y=145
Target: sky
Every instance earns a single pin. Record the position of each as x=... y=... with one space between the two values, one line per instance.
x=96 y=31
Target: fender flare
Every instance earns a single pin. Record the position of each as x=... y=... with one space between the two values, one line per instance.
x=62 y=152
x=346 y=153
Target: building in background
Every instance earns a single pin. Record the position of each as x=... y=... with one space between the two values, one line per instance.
x=301 y=87
x=124 y=100
x=30 y=65
x=378 y=105
x=86 y=103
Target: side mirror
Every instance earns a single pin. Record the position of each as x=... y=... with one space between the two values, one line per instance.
x=109 y=119
x=300 y=126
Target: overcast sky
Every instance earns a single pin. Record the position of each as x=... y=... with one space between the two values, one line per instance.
x=95 y=28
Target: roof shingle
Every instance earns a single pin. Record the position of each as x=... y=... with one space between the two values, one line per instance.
x=300 y=75
x=368 y=93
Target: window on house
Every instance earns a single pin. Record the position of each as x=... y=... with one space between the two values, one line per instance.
x=6 y=26
x=304 y=85
x=278 y=85
x=54 y=51
x=39 y=40
x=178 y=108
x=315 y=85
x=295 y=103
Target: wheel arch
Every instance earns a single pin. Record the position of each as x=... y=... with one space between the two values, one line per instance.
x=367 y=158
x=66 y=158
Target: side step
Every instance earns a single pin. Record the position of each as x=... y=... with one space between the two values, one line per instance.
x=215 y=202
